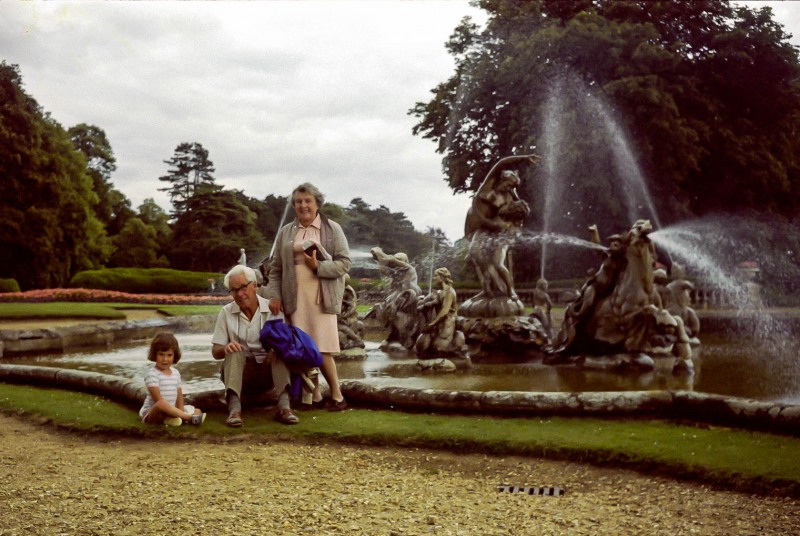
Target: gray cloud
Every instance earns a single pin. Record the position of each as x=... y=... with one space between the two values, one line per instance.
x=278 y=92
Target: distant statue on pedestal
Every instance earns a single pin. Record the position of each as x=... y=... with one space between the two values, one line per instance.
x=749 y=270
x=542 y=305
x=242 y=257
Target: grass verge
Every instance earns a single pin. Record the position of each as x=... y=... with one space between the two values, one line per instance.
x=728 y=458
x=104 y=311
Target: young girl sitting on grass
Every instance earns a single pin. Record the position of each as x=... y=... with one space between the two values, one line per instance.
x=164 y=402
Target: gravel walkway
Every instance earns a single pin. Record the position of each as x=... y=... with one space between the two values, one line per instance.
x=53 y=482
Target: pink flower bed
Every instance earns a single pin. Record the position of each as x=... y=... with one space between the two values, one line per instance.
x=90 y=295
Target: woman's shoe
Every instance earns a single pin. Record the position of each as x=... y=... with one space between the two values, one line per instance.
x=333 y=405
x=285 y=416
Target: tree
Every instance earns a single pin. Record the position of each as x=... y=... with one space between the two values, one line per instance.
x=268 y=214
x=48 y=227
x=154 y=216
x=190 y=169
x=368 y=227
x=207 y=236
x=113 y=209
x=677 y=80
x=137 y=247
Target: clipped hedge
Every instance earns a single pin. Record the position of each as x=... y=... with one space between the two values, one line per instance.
x=147 y=280
x=9 y=285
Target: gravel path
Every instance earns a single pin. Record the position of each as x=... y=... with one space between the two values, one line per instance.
x=53 y=482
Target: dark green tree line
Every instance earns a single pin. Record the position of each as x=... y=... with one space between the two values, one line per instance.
x=368 y=227
x=49 y=229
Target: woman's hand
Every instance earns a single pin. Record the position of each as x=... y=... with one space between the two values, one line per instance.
x=275 y=306
x=311 y=260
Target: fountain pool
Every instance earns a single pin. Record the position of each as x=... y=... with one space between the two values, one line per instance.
x=726 y=366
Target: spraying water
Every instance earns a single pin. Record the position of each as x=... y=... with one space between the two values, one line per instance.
x=712 y=255
x=552 y=139
x=280 y=224
x=599 y=149
x=639 y=201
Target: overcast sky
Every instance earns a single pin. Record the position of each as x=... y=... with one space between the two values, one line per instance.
x=278 y=92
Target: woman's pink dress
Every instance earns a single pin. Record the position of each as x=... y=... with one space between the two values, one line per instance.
x=310 y=316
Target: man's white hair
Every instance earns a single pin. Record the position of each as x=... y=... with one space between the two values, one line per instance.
x=248 y=272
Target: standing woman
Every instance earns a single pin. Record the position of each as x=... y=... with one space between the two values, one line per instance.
x=308 y=287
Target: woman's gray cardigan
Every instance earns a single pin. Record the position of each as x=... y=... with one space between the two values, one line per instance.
x=283 y=281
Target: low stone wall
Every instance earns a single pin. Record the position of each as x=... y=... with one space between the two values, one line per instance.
x=61 y=339
x=683 y=405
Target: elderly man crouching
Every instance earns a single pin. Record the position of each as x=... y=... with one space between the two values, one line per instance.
x=236 y=340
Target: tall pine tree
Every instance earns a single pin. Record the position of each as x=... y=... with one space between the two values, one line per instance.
x=190 y=168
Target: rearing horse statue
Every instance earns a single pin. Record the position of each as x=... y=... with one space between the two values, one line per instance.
x=622 y=316
x=619 y=310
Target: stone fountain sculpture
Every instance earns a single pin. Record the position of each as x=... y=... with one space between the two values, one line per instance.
x=398 y=310
x=351 y=329
x=617 y=320
x=493 y=319
x=441 y=345
x=543 y=306
x=492 y=226
x=679 y=301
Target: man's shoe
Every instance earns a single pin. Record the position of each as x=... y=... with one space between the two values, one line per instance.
x=234 y=420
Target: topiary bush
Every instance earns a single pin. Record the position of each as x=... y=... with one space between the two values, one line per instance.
x=147 y=280
x=9 y=285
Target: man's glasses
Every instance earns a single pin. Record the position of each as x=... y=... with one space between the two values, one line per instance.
x=239 y=289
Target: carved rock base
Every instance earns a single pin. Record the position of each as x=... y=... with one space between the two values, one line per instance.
x=482 y=306
x=443 y=364
x=510 y=339
x=352 y=354
x=394 y=349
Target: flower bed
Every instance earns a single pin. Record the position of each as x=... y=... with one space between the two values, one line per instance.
x=100 y=296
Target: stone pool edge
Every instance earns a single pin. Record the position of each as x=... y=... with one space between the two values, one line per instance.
x=683 y=405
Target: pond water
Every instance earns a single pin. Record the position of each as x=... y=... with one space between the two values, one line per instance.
x=725 y=365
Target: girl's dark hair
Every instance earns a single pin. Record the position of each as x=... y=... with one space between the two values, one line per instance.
x=163 y=342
